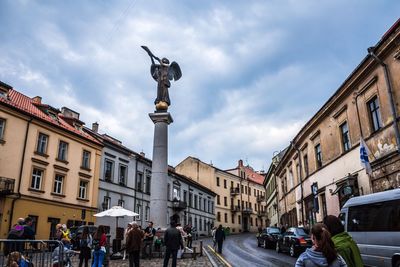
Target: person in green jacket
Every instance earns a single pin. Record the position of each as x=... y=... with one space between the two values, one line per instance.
x=344 y=244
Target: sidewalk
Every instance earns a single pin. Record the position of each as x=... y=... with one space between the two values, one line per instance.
x=200 y=262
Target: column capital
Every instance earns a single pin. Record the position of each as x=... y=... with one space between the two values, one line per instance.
x=161 y=117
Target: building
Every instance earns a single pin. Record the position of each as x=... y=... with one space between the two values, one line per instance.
x=321 y=169
x=49 y=167
x=236 y=200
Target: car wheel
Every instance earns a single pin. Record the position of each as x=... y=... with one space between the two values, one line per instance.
x=292 y=251
x=277 y=248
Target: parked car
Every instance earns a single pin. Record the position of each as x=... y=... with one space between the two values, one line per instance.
x=295 y=241
x=374 y=223
x=76 y=233
x=268 y=237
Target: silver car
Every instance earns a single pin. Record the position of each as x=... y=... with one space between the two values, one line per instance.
x=374 y=223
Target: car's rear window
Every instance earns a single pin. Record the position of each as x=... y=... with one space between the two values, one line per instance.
x=274 y=230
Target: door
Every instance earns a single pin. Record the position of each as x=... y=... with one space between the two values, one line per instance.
x=245 y=224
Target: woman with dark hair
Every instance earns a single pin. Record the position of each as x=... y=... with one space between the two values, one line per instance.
x=85 y=244
x=323 y=251
x=99 y=246
x=344 y=244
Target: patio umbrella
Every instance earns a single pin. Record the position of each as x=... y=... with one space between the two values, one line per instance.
x=116 y=211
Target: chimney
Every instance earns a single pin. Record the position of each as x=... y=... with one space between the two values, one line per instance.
x=240 y=163
x=4 y=88
x=37 y=99
x=95 y=127
x=69 y=113
x=142 y=154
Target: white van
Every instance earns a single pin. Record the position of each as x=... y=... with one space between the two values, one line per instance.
x=374 y=223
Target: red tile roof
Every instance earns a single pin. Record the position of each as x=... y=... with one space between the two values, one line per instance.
x=27 y=105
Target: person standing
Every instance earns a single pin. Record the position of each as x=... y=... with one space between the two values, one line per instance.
x=149 y=233
x=323 y=251
x=189 y=238
x=172 y=241
x=220 y=237
x=99 y=246
x=85 y=244
x=344 y=244
x=133 y=244
x=128 y=228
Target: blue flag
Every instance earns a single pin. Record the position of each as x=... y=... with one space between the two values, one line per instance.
x=364 y=153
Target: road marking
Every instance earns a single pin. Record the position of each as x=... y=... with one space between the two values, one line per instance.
x=220 y=257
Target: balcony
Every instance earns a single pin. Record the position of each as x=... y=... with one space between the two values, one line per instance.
x=235 y=191
x=179 y=205
x=247 y=210
x=6 y=186
x=261 y=213
x=260 y=198
x=235 y=208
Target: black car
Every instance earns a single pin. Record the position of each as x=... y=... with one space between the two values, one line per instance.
x=268 y=237
x=295 y=240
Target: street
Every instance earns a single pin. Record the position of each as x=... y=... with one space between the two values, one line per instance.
x=241 y=250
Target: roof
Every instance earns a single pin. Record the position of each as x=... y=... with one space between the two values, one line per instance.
x=373 y=198
x=27 y=105
x=250 y=173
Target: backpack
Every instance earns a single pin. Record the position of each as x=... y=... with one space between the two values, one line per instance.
x=96 y=244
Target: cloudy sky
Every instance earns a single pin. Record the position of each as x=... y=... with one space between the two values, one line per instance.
x=253 y=71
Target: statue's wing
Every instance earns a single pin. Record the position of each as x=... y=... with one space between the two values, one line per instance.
x=174 y=71
x=154 y=71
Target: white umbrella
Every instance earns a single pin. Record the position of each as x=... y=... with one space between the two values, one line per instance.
x=116 y=211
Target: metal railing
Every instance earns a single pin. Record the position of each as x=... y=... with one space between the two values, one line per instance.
x=38 y=252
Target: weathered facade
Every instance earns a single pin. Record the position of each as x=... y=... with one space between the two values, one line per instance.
x=321 y=169
x=49 y=167
x=237 y=199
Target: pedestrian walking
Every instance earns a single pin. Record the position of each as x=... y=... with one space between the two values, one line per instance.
x=323 y=251
x=344 y=243
x=128 y=228
x=220 y=237
x=189 y=238
x=133 y=244
x=183 y=236
x=99 y=246
x=149 y=234
x=85 y=247
x=214 y=229
x=173 y=242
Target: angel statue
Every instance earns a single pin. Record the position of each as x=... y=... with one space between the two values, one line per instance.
x=163 y=73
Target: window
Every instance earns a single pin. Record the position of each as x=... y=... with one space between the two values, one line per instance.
x=233 y=218
x=255 y=192
x=121 y=202
x=200 y=225
x=218 y=216
x=199 y=203
x=205 y=205
x=318 y=155
x=62 y=151
x=224 y=183
x=108 y=170
x=225 y=201
x=139 y=211
x=195 y=201
x=2 y=127
x=291 y=179
x=83 y=187
x=139 y=182
x=218 y=200
x=239 y=220
x=305 y=162
x=324 y=209
x=185 y=196
x=107 y=203
x=374 y=114
x=191 y=199
x=42 y=143
x=226 y=217
x=37 y=177
x=344 y=130
x=217 y=181
x=58 y=184
x=251 y=221
x=298 y=172
x=86 y=159
x=249 y=191
x=148 y=182
x=123 y=170
x=147 y=213
x=176 y=193
x=375 y=217
x=212 y=207
x=284 y=185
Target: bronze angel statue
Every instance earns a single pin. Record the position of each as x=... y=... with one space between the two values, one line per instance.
x=163 y=73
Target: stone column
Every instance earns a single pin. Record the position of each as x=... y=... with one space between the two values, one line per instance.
x=159 y=176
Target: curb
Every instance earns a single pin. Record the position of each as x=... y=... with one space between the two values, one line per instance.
x=216 y=257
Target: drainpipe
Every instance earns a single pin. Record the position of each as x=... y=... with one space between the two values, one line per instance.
x=20 y=175
x=301 y=180
x=390 y=94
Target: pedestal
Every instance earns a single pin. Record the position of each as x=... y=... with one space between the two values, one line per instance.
x=159 y=175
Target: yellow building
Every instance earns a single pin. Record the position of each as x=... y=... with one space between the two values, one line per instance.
x=239 y=199
x=49 y=167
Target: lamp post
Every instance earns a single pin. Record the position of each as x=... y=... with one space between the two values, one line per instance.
x=275 y=163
